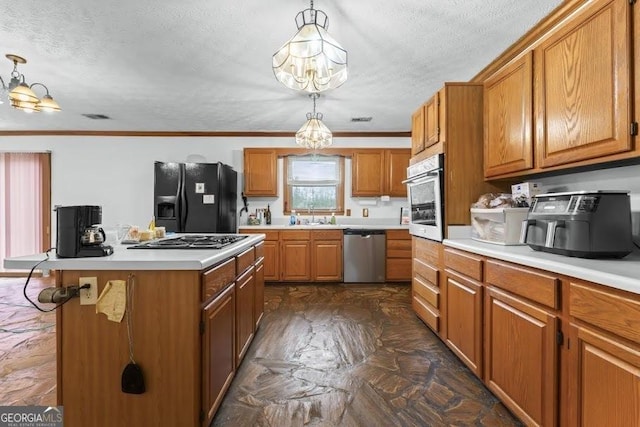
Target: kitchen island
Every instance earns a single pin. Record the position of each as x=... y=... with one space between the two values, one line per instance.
x=194 y=315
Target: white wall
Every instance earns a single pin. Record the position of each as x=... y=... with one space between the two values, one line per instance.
x=117 y=172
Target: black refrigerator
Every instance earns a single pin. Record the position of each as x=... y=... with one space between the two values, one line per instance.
x=195 y=197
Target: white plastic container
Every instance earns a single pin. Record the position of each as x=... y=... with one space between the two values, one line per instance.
x=500 y=226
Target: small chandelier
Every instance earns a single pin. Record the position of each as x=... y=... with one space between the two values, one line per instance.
x=22 y=96
x=314 y=134
x=312 y=60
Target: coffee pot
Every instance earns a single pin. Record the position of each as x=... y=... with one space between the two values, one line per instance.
x=93 y=235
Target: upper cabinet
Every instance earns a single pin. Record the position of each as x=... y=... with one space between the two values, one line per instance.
x=566 y=100
x=379 y=172
x=582 y=74
x=426 y=124
x=508 y=116
x=260 y=172
x=417 y=131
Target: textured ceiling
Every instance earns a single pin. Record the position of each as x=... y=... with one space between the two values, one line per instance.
x=195 y=65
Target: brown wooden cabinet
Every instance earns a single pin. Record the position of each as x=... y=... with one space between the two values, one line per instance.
x=582 y=74
x=521 y=353
x=427 y=296
x=218 y=351
x=605 y=356
x=432 y=121
x=245 y=309
x=379 y=172
x=508 y=118
x=463 y=275
x=417 y=131
x=327 y=256
x=271 y=250
x=367 y=173
x=260 y=172
x=295 y=255
x=399 y=258
x=395 y=172
x=259 y=293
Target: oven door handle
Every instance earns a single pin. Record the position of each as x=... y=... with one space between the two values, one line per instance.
x=435 y=172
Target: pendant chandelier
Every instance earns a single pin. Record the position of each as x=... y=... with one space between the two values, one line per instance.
x=312 y=60
x=22 y=96
x=314 y=134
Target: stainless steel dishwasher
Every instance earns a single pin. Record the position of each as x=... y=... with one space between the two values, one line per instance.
x=364 y=255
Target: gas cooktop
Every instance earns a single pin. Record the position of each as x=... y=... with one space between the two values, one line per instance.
x=191 y=242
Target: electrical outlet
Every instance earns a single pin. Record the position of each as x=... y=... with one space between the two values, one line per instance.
x=88 y=296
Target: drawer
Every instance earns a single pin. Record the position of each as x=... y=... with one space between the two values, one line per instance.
x=245 y=259
x=398 y=235
x=427 y=313
x=613 y=312
x=398 y=248
x=259 y=250
x=463 y=262
x=427 y=272
x=327 y=234
x=427 y=251
x=295 y=235
x=215 y=279
x=398 y=269
x=270 y=234
x=537 y=286
x=426 y=291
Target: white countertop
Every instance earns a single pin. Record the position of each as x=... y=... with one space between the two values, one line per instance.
x=138 y=259
x=328 y=227
x=621 y=274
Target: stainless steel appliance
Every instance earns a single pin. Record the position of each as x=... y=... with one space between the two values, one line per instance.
x=425 y=191
x=195 y=197
x=78 y=233
x=586 y=224
x=364 y=255
x=191 y=242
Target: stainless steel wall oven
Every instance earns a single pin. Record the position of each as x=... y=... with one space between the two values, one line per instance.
x=425 y=191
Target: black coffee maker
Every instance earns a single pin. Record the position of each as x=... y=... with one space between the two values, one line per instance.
x=78 y=234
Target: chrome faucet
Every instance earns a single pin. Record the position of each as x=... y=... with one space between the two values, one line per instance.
x=310 y=210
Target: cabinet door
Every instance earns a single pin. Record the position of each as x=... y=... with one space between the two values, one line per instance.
x=582 y=86
x=417 y=131
x=431 y=121
x=508 y=132
x=245 y=324
x=396 y=164
x=464 y=319
x=258 y=305
x=271 y=260
x=260 y=172
x=608 y=380
x=218 y=351
x=296 y=260
x=367 y=173
x=521 y=362
x=327 y=260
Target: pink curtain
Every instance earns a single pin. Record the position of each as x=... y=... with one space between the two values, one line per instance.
x=21 y=204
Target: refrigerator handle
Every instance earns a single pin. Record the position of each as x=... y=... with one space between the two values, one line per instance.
x=182 y=219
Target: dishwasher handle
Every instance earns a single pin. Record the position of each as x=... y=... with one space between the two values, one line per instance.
x=362 y=232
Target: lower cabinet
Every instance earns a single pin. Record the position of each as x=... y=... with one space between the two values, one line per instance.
x=327 y=256
x=295 y=256
x=245 y=302
x=521 y=362
x=259 y=294
x=427 y=298
x=605 y=356
x=398 y=259
x=218 y=350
